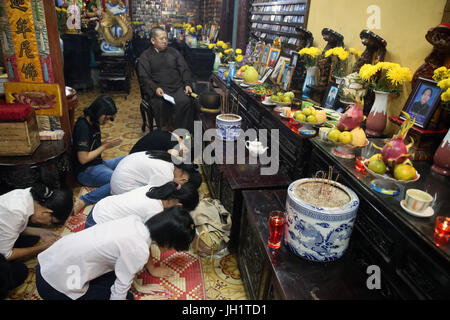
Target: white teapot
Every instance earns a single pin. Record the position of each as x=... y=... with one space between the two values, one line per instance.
x=255 y=147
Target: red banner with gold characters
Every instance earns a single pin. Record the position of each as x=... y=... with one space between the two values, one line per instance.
x=27 y=64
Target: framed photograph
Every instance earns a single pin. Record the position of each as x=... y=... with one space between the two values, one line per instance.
x=422 y=102
x=273 y=57
x=258 y=51
x=261 y=70
x=265 y=55
x=288 y=71
x=278 y=70
x=283 y=70
x=267 y=73
x=331 y=96
x=295 y=57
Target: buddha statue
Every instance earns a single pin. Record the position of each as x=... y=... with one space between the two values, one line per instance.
x=374 y=52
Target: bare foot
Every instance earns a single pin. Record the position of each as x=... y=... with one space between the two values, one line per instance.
x=160 y=272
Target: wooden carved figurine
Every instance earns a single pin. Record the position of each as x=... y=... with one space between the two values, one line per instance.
x=374 y=52
x=439 y=37
x=333 y=39
x=306 y=41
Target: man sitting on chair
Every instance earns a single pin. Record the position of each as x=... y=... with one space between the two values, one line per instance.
x=163 y=70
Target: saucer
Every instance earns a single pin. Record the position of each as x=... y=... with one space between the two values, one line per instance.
x=268 y=103
x=278 y=109
x=244 y=85
x=428 y=212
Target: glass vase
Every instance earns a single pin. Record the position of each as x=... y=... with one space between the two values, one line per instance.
x=310 y=80
x=216 y=62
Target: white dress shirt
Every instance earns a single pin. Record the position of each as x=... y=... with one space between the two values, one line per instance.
x=16 y=207
x=121 y=246
x=125 y=204
x=138 y=169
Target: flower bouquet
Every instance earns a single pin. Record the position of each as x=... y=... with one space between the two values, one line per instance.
x=339 y=58
x=310 y=56
x=385 y=76
x=442 y=75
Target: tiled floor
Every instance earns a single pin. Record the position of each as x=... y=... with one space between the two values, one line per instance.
x=222 y=277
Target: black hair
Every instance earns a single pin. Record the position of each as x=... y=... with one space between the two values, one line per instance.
x=427 y=89
x=154 y=30
x=186 y=194
x=59 y=201
x=172 y=228
x=103 y=105
x=190 y=169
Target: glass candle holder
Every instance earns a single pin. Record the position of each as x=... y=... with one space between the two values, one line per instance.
x=276 y=225
x=442 y=230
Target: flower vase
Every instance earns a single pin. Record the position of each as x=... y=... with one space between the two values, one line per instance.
x=194 y=42
x=376 y=120
x=441 y=159
x=310 y=80
x=216 y=62
x=231 y=71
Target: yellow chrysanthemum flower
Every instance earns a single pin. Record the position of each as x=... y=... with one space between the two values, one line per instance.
x=386 y=65
x=367 y=71
x=211 y=45
x=355 y=52
x=398 y=75
x=220 y=43
x=445 y=96
x=229 y=51
x=238 y=51
x=192 y=29
x=239 y=57
x=441 y=73
x=199 y=27
x=224 y=46
x=220 y=54
x=443 y=84
x=339 y=52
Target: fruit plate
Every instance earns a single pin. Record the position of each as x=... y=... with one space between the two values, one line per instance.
x=281 y=104
x=309 y=124
x=250 y=84
x=346 y=151
x=388 y=177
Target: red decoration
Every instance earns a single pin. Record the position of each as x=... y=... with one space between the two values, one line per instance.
x=14 y=111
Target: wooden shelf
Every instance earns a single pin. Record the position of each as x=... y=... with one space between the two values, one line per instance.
x=287 y=34
x=297 y=13
x=288 y=24
x=278 y=3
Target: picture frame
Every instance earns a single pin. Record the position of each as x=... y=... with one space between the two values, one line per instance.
x=258 y=51
x=422 y=102
x=283 y=69
x=287 y=77
x=274 y=53
x=330 y=97
x=268 y=72
x=294 y=60
x=265 y=55
x=261 y=70
x=277 y=71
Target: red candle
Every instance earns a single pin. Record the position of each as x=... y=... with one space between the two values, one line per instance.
x=442 y=230
x=276 y=224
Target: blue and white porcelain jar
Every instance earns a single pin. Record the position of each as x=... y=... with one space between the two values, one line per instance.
x=228 y=126
x=319 y=233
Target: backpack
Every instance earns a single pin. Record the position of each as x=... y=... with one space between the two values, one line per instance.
x=213 y=225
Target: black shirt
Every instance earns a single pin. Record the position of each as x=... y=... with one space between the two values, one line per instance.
x=167 y=70
x=86 y=137
x=155 y=140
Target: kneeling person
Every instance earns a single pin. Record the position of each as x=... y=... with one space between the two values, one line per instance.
x=101 y=262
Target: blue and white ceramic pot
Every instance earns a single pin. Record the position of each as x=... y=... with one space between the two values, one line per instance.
x=228 y=126
x=319 y=233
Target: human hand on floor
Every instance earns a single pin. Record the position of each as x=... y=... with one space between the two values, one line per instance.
x=159 y=92
x=49 y=237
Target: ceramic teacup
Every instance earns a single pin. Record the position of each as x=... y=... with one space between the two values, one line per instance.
x=417 y=200
x=286 y=111
x=323 y=132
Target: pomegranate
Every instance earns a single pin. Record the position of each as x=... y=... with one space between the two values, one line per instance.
x=395 y=151
x=352 y=118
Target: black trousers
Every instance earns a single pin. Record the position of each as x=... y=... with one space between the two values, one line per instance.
x=99 y=288
x=170 y=117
